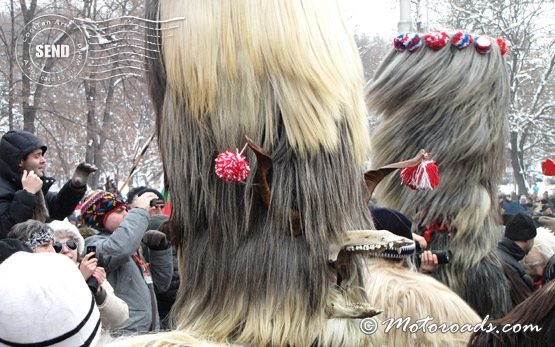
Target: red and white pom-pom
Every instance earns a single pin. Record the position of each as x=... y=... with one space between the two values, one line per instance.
x=436 y=40
x=483 y=44
x=232 y=166
x=422 y=176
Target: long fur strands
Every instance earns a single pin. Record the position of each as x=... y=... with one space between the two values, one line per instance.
x=403 y=293
x=538 y=310
x=452 y=103
x=287 y=74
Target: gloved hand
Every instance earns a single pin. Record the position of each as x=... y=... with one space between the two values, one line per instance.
x=81 y=174
x=156 y=240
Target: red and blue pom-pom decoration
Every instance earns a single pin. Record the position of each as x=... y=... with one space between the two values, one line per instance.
x=410 y=42
x=461 y=40
x=232 y=166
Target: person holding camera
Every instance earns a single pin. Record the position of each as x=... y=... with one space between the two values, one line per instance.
x=118 y=250
x=69 y=242
x=156 y=205
x=392 y=284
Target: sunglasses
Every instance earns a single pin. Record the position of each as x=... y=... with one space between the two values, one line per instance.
x=71 y=244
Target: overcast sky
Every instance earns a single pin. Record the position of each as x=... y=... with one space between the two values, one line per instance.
x=372 y=16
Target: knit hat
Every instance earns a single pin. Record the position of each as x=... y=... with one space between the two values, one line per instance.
x=12 y=246
x=395 y=222
x=97 y=205
x=392 y=220
x=520 y=227
x=152 y=190
x=46 y=302
x=32 y=232
x=64 y=228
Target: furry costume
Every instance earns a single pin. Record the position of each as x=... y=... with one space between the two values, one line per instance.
x=253 y=256
x=538 y=311
x=452 y=101
x=404 y=293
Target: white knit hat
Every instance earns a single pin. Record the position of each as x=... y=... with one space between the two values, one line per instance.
x=64 y=227
x=44 y=301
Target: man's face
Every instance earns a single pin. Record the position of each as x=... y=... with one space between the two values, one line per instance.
x=528 y=246
x=34 y=162
x=114 y=219
x=156 y=207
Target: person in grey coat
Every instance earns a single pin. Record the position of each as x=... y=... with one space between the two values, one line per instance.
x=118 y=249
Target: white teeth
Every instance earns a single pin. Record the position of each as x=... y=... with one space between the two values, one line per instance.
x=390 y=245
x=366 y=247
x=372 y=247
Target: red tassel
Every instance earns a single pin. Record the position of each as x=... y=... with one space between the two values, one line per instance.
x=422 y=176
x=548 y=167
x=232 y=166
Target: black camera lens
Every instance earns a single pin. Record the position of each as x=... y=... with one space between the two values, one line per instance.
x=156 y=202
x=443 y=255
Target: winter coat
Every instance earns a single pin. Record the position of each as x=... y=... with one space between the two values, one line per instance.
x=511 y=255
x=18 y=205
x=115 y=253
x=113 y=311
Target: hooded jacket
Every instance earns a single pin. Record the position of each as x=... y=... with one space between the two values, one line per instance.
x=18 y=205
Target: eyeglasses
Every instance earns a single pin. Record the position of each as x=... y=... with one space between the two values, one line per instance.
x=71 y=244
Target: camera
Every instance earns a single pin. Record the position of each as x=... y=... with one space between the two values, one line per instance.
x=91 y=249
x=443 y=256
x=156 y=202
x=93 y=284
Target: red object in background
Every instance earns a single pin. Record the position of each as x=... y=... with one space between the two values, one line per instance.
x=548 y=167
x=168 y=208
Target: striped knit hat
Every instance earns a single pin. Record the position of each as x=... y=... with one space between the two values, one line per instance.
x=97 y=205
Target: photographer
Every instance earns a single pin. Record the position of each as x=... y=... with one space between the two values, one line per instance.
x=403 y=293
x=69 y=242
x=426 y=261
x=157 y=205
x=118 y=249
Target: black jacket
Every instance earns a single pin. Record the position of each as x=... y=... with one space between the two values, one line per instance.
x=18 y=205
x=511 y=255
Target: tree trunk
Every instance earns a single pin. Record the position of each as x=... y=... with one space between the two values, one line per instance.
x=517 y=164
x=29 y=110
x=93 y=133
x=11 y=83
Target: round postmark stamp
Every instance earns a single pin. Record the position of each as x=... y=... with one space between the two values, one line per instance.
x=51 y=50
